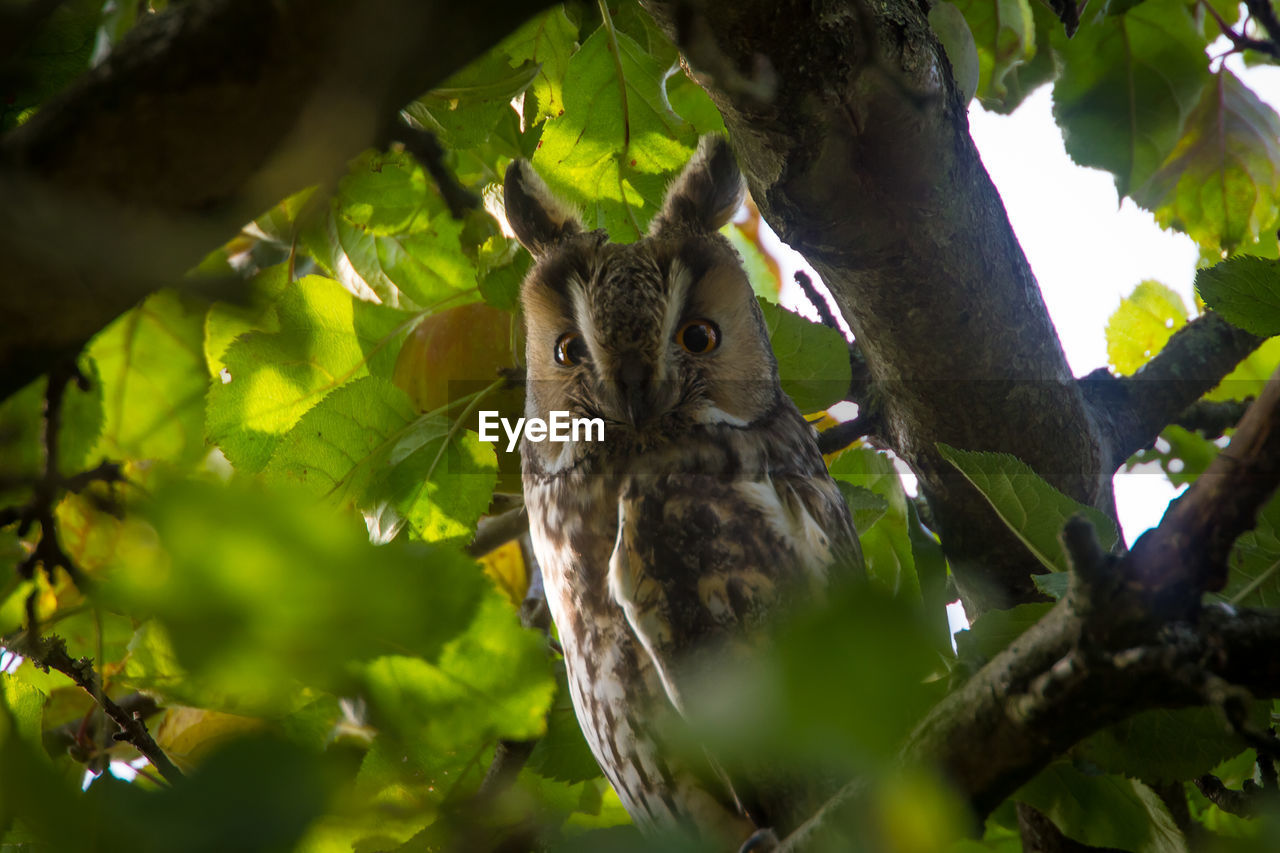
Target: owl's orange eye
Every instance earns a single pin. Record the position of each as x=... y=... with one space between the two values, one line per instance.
x=571 y=349
x=699 y=336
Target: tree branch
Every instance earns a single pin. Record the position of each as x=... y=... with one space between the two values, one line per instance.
x=51 y=653
x=1187 y=553
x=246 y=102
x=1133 y=410
x=863 y=138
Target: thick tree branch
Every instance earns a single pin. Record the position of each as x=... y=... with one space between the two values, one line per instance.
x=200 y=119
x=1047 y=692
x=1130 y=635
x=860 y=158
x=1133 y=410
x=1187 y=553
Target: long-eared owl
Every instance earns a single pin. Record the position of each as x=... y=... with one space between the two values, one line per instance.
x=706 y=509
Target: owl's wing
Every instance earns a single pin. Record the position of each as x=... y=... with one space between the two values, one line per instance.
x=701 y=562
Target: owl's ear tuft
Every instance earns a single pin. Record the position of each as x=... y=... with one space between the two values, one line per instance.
x=706 y=194
x=540 y=220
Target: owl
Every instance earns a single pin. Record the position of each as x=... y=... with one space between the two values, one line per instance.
x=704 y=512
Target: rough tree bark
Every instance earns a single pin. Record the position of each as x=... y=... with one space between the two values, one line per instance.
x=860 y=158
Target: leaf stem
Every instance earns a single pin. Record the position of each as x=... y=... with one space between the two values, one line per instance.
x=1255 y=583
x=612 y=33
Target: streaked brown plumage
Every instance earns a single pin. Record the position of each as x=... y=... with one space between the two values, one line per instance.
x=706 y=510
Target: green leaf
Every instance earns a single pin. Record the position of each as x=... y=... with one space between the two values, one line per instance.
x=1254 y=579
x=260 y=592
x=762 y=270
x=279 y=789
x=1188 y=455
x=364 y=445
x=1221 y=183
x=24 y=705
x=1165 y=746
x=813 y=360
x=1246 y=291
x=931 y=570
x=865 y=506
x=1034 y=510
x=325 y=338
x=225 y=322
x=390 y=238
x=1054 y=584
x=1004 y=33
x=50 y=56
x=886 y=546
x=1042 y=67
x=1103 y=811
x=948 y=23
x=993 y=632
x=151 y=361
x=1128 y=84
x=466 y=110
x=491 y=682
x=611 y=162
x=549 y=40
x=562 y=753
x=1142 y=325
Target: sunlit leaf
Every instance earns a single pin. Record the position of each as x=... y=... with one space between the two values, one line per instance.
x=1127 y=86
x=611 y=162
x=151 y=361
x=548 y=39
x=1221 y=183
x=364 y=446
x=325 y=338
x=1034 y=510
x=390 y=238
x=492 y=681
x=1142 y=325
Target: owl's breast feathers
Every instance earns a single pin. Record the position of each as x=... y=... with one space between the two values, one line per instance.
x=676 y=560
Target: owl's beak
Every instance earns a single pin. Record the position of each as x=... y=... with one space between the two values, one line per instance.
x=635 y=381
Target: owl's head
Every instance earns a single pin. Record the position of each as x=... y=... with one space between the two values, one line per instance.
x=657 y=337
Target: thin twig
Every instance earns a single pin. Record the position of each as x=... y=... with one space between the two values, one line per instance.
x=844 y=434
x=426 y=149
x=1239 y=41
x=497 y=530
x=817 y=301
x=51 y=653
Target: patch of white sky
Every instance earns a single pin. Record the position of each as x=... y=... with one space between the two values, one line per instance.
x=1088 y=249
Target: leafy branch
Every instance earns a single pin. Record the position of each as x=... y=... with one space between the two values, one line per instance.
x=1133 y=410
x=1130 y=635
x=51 y=652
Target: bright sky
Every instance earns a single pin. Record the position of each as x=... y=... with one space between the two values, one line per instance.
x=1086 y=251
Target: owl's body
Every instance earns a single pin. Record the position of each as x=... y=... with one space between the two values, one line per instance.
x=706 y=510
